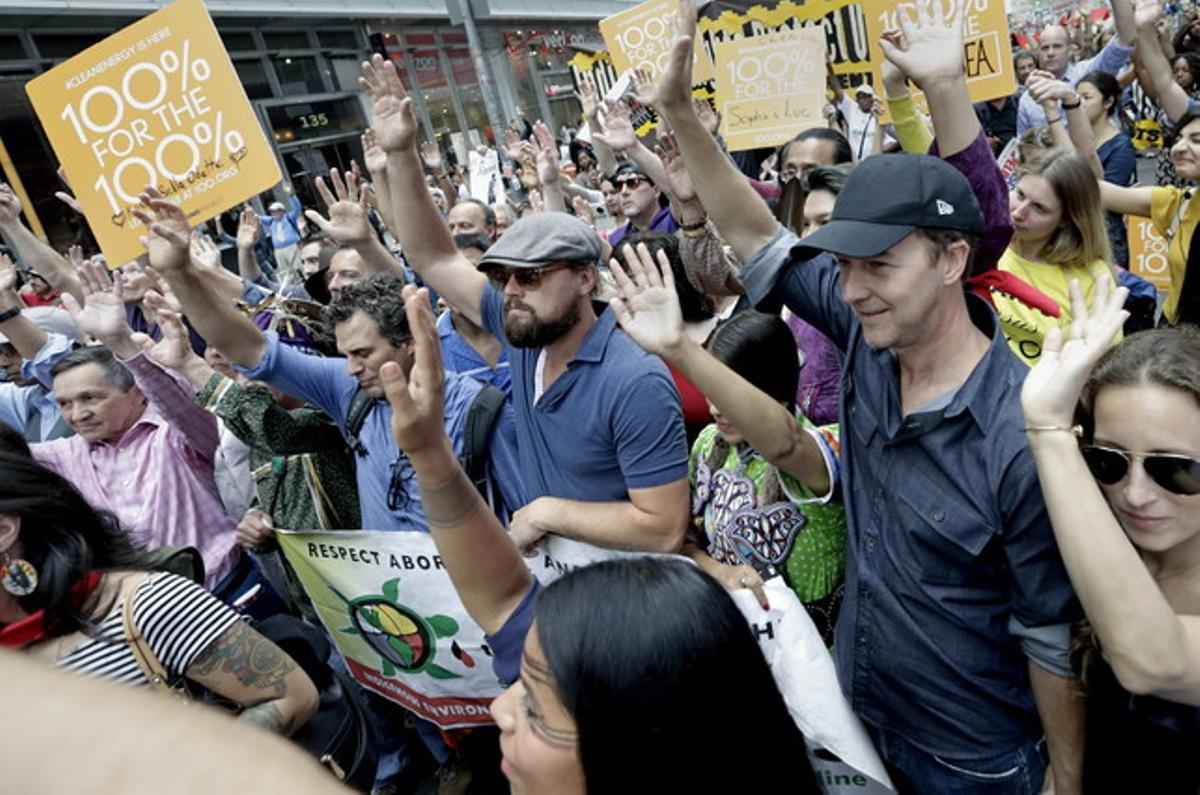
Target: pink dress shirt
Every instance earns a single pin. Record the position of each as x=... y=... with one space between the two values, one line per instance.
x=158 y=478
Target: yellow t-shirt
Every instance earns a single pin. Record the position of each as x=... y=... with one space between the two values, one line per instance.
x=1164 y=204
x=1026 y=327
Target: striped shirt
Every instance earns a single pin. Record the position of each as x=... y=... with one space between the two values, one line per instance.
x=178 y=619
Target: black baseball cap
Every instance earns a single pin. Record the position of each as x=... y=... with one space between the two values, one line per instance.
x=886 y=198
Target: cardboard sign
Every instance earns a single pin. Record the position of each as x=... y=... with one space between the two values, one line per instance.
x=770 y=87
x=642 y=38
x=156 y=103
x=987 y=55
x=485 y=176
x=1148 y=253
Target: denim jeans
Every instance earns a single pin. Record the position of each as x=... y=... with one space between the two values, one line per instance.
x=917 y=772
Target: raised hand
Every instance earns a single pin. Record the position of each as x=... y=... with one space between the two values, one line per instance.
x=589 y=100
x=417 y=399
x=895 y=83
x=709 y=118
x=10 y=206
x=678 y=178
x=1146 y=14
x=644 y=88
x=374 y=157
x=527 y=156
x=1051 y=390
x=249 y=228
x=647 y=306
x=547 y=155
x=536 y=203
x=431 y=156
x=174 y=350
x=65 y=196
x=8 y=274
x=674 y=92
x=347 y=205
x=583 y=210
x=394 y=125
x=1046 y=89
x=103 y=313
x=615 y=128
x=934 y=42
x=168 y=231
x=512 y=144
x=204 y=252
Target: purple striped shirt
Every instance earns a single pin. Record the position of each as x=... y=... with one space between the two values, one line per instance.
x=158 y=478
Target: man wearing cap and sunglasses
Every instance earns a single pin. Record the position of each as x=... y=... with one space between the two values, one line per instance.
x=599 y=425
x=953 y=640
x=641 y=202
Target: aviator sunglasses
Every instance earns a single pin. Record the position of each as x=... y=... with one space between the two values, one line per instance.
x=527 y=278
x=1177 y=474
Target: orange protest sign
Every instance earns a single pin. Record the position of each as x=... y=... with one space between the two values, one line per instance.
x=156 y=103
x=1148 y=253
x=770 y=87
x=987 y=55
x=642 y=37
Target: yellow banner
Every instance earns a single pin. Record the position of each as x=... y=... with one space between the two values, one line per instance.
x=156 y=103
x=641 y=38
x=1148 y=253
x=770 y=87
x=987 y=55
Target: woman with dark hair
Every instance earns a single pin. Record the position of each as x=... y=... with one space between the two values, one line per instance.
x=1100 y=94
x=74 y=592
x=609 y=663
x=1123 y=492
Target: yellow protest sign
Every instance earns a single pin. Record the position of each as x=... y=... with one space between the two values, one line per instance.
x=642 y=37
x=770 y=87
x=156 y=103
x=987 y=55
x=1148 y=253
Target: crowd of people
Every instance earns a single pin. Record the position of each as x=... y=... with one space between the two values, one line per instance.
x=937 y=406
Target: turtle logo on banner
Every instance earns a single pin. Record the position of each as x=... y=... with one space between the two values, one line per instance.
x=404 y=640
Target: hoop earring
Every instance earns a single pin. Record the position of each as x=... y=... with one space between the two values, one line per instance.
x=18 y=576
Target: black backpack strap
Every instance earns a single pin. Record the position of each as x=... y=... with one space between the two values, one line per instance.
x=360 y=406
x=480 y=418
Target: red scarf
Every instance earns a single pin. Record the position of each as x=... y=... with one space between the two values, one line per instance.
x=31 y=630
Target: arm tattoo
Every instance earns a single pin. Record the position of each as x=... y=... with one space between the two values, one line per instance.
x=254 y=660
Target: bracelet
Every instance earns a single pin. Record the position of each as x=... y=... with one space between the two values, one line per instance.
x=693 y=227
x=1074 y=430
x=1055 y=120
x=1078 y=102
x=9 y=314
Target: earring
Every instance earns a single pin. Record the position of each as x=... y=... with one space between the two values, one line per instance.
x=18 y=576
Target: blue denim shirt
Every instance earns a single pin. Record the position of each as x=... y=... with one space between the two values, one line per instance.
x=952 y=569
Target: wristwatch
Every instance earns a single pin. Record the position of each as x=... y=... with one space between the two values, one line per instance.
x=1072 y=105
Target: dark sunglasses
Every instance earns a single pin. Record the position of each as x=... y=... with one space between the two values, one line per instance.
x=1177 y=474
x=629 y=182
x=527 y=278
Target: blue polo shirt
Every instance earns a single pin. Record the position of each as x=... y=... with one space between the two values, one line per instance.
x=325 y=383
x=953 y=577
x=610 y=423
x=459 y=357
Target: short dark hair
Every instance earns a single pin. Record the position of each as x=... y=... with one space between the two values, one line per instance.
x=115 y=373
x=693 y=304
x=629 y=676
x=463 y=242
x=943 y=238
x=842 y=153
x=377 y=297
x=1022 y=54
x=827 y=178
x=489 y=215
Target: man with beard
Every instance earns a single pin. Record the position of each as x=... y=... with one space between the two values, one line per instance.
x=600 y=430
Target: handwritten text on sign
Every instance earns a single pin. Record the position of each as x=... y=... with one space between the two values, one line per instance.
x=1148 y=253
x=987 y=57
x=642 y=38
x=156 y=103
x=770 y=87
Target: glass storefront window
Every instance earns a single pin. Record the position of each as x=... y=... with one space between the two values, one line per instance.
x=253 y=77
x=287 y=40
x=235 y=40
x=298 y=75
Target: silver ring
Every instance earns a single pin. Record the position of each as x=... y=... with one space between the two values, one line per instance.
x=744 y=582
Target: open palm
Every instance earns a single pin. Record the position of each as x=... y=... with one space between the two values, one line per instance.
x=647 y=307
x=393 y=122
x=934 y=42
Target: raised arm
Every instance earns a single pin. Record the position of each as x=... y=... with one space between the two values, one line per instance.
x=548 y=169
x=214 y=318
x=648 y=311
x=23 y=334
x=33 y=251
x=422 y=233
x=248 y=231
x=376 y=162
x=348 y=222
x=1171 y=97
x=1060 y=101
x=1152 y=649
x=740 y=214
x=589 y=100
x=484 y=565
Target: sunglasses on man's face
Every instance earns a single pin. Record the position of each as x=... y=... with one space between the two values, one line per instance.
x=1177 y=474
x=632 y=183
x=527 y=278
